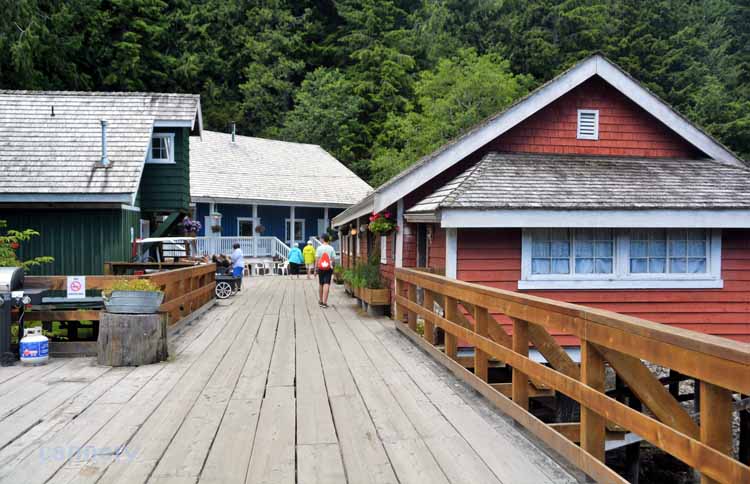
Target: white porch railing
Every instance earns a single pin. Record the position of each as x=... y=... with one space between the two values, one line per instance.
x=317 y=243
x=251 y=246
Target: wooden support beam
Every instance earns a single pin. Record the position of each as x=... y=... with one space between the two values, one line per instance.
x=520 y=392
x=411 y=291
x=650 y=391
x=716 y=420
x=592 y=424
x=481 y=359
x=451 y=342
x=429 y=327
x=557 y=357
x=507 y=390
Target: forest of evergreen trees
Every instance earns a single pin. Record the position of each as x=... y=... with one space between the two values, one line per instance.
x=379 y=83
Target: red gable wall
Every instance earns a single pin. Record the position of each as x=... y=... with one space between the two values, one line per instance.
x=625 y=129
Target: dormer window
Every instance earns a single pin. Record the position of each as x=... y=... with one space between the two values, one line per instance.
x=588 y=124
x=161 y=149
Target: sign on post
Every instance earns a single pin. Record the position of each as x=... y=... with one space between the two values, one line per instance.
x=76 y=287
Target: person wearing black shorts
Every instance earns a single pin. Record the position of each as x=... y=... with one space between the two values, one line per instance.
x=324 y=276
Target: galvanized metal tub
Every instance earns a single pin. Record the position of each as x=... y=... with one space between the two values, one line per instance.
x=134 y=302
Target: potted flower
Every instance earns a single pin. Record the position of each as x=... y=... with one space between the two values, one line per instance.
x=365 y=283
x=382 y=223
x=190 y=227
x=216 y=229
x=260 y=229
x=133 y=296
x=338 y=274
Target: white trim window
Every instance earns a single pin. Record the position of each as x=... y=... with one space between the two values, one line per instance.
x=586 y=258
x=588 y=124
x=383 y=249
x=161 y=149
x=247 y=225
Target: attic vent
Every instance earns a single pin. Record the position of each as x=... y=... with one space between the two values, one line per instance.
x=588 y=124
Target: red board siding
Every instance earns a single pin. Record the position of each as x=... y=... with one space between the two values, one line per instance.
x=624 y=128
x=493 y=257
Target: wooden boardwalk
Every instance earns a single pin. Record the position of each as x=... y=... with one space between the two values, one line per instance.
x=266 y=389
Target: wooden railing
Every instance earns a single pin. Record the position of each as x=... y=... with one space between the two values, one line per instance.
x=251 y=246
x=185 y=291
x=466 y=311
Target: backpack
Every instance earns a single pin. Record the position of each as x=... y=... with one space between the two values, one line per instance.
x=324 y=263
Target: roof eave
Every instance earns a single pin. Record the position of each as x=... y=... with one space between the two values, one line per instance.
x=361 y=208
x=717 y=218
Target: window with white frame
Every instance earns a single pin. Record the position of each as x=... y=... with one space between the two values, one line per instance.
x=161 y=149
x=604 y=258
x=383 y=249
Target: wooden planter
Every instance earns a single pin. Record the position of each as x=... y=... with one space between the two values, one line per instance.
x=375 y=297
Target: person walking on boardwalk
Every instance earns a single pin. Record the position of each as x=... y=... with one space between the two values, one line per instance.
x=238 y=263
x=295 y=260
x=324 y=258
x=309 y=254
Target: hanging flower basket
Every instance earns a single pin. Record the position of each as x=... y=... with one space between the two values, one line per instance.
x=260 y=229
x=189 y=227
x=382 y=223
x=216 y=229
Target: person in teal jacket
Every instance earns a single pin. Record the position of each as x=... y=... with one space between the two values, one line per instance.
x=295 y=260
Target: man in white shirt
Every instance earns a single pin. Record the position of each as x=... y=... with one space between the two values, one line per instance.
x=238 y=261
x=324 y=260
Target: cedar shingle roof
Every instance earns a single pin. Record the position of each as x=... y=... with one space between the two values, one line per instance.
x=255 y=169
x=41 y=153
x=531 y=181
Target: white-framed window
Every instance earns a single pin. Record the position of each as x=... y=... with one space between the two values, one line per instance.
x=299 y=230
x=588 y=124
x=246 y=226
x=161 y=149
x=383 y=249
x=603 y=258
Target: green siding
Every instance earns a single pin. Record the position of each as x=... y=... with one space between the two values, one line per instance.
x=166 y=188
x=80 y=240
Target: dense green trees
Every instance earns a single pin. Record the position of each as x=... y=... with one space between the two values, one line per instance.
x=379 y=83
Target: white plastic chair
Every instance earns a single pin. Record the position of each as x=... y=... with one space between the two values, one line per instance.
x=284 y=268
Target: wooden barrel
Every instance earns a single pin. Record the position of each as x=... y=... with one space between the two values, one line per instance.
x=131 y=339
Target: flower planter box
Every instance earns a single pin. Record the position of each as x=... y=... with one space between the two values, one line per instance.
x=375 y=297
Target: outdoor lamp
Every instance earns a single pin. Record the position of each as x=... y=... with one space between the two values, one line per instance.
x=353 y=231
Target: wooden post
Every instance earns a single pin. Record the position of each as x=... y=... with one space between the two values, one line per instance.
x=399 y=308
x=429 y=328
x=411 y=291
x=716 y=420
x=520 y=393
x=481 y=359
x=451 y=343
x=592 y=424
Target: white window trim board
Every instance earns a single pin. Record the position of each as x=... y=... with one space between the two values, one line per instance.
x=622 y=278
x=286 y=221
x=525 y=218
x=383 y=249
x=170 y=150
x=451 y=253
x=595 y=135
x=400 y=234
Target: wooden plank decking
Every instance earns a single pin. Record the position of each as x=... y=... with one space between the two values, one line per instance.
x=266 y=389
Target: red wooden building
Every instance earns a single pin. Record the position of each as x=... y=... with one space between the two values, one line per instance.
x=589 y=190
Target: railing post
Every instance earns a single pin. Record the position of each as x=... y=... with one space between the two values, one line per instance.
x=592 y=424
x=451 y=343
x=716 y=420
x=520 y=385
x=411 y=315
x=399 y=316
x=429 y=328
x=481 y=327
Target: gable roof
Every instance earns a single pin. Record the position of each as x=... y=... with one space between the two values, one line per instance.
x=48 y=157
x=458 y=149
x=257 y=170
x=577 y=182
